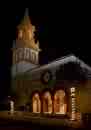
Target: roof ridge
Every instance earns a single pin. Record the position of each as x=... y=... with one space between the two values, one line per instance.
x=62 y=58
x=51 y=62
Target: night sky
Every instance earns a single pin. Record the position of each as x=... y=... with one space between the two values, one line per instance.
x=60 y=33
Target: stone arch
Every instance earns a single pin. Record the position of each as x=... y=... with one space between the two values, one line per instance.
x=59 y=104
x=36 y=102
x=47 y=102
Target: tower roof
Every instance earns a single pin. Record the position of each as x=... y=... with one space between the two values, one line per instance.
x=26 y=33
x=26 y=12
x=26 y=19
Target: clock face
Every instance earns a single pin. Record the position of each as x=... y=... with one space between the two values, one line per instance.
x=46 y=77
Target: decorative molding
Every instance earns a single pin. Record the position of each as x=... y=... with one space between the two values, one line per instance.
x=46 y=77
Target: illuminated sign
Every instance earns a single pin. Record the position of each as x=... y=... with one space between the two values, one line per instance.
x=73 y=103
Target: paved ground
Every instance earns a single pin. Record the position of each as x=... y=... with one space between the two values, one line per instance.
x=35 y=122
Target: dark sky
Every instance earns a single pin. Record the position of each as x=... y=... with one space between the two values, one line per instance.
x=60 y=33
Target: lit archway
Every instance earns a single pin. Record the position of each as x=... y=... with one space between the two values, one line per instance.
x=36 y=103
x=47 y=102
x=60 y=107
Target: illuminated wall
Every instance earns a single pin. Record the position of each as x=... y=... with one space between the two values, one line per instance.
x=85 y=97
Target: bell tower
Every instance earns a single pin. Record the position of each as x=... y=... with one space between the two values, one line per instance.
x=25 y=49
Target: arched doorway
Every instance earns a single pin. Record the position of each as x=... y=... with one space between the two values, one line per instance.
x=60 y=106
x=47 y=102
x=36 y=103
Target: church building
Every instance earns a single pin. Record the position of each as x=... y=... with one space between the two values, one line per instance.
x=61 y=87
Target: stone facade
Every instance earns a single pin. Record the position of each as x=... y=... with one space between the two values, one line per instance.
x=38 y=89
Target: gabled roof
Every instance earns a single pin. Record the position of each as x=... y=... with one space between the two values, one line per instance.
x=60 y=61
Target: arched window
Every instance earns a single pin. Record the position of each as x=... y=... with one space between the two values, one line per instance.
x=36 y=103
x=60 y=107
x=47 y=102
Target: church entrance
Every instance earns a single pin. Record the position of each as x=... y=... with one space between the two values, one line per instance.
x=50 y=103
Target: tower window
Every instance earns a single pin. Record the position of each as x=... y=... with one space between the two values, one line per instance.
x=20 y=34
